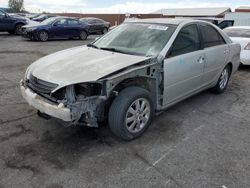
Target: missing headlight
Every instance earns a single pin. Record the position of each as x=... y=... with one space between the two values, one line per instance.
x=88 y=90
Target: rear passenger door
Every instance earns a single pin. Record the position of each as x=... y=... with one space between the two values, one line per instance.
x=216 y=51
x=73 y=28
x=183 y=66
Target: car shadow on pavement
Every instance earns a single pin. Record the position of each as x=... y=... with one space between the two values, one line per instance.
x=245 y=68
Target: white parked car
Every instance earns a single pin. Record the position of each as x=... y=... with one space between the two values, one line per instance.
x=139 y=68
x=241 y=35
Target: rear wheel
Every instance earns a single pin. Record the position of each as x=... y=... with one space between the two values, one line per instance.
x=18 y=29
x=83 y=35
x=222 y=83
x=131 y=113
x=43 y=36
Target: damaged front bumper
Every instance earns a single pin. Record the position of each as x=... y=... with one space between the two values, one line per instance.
x=44 y=106
x=83 y=111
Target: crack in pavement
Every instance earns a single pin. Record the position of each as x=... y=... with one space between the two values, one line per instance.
x=23 y=130
x=17 y=119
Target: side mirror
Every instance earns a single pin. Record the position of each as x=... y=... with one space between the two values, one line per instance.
x=55 y=24
x=6 y=15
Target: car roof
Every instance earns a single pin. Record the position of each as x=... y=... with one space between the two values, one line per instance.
x=239 y=27
x=65 y=17
x=91 y=18
x=170 y=21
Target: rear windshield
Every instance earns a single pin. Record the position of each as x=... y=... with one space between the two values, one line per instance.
x=237 y=32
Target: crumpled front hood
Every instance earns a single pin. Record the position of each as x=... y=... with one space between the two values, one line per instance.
x=80 y=64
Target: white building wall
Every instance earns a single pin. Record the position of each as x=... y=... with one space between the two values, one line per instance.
x=240 y=18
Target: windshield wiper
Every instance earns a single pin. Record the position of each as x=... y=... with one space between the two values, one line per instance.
x=122 y=51
x=92 y=45
x=113 y=50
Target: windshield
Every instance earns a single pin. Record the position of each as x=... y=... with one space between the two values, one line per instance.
x=48 y=21
x=238 y=32
x=137 y=38
x=41 y=16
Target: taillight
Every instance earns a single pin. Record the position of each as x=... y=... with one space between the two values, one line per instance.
x=247 y=46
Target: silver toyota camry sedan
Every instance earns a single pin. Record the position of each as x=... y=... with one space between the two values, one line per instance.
x=139 y=68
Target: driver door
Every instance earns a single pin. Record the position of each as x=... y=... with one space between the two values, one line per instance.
x=5 y=22
x=59 y=29
x=183 y=66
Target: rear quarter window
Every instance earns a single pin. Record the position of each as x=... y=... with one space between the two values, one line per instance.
x=211 y=37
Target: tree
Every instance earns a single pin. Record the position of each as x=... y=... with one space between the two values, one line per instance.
x=16 y=5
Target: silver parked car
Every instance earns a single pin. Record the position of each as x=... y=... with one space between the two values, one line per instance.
x=139 y=68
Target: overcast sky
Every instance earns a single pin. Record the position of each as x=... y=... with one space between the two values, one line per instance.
x=121 y=6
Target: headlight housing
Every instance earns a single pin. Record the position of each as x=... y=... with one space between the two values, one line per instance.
x=31 y=29
x=27 y=73
x=88 y=89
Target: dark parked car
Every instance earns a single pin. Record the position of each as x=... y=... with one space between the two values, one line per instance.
x=43 y=17
x=56 y=27
x=96 y=25
x=11 y=23
x=33 y=16
x=220 y=22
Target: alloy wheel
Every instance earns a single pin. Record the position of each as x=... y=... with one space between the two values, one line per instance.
x=224 y=78
x=43 y=36
x=138 y=115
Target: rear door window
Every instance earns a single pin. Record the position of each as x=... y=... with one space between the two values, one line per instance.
x=187 y=41
x=73 y=22
x=211 y=37
x=62 y=22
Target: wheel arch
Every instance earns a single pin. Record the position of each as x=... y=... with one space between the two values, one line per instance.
x=19 y=23
x=140 y=81
x=85 y=30
x=46 y=30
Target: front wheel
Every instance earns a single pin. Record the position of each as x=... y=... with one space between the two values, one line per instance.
x=222 y=83
x=131 y=113
x=43 y=36
x=18 y=29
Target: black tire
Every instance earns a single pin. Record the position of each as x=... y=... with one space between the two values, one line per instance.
x=18 y=29
x=223 y=81
x=105 y=30
x=83 y=35
x=43 y=36
x=119 y=110
x=11 y=32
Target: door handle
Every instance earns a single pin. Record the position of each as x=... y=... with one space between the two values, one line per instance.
x=201 y=60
